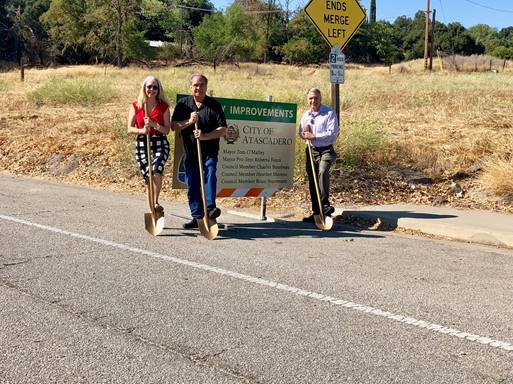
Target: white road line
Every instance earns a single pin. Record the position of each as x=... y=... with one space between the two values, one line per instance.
x=282 y=287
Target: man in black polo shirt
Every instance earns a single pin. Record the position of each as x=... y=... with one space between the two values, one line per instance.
x=209 y=115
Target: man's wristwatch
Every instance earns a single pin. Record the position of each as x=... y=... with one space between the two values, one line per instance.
x=157 y=127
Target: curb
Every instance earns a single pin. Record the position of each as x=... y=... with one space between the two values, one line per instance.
x=447 y=228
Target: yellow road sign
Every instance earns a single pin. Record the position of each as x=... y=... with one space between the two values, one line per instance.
x=336 y=20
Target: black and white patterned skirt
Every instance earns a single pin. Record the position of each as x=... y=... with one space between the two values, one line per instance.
x=159 y=153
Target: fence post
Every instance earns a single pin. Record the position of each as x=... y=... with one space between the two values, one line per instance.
x=22 y=68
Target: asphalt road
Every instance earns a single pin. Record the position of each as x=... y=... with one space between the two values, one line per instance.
x=87 y=296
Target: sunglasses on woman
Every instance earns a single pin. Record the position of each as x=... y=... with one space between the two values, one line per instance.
x=152 y=87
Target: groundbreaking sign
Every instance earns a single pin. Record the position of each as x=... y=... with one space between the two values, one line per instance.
x=336 y=20
x=256 y=158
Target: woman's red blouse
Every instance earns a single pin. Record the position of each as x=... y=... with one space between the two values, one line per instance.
x=156 y=114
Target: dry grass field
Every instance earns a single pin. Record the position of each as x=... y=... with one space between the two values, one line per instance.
x=404 y=135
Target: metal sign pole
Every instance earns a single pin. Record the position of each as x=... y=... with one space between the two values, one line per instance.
x=335 y=99
x=263 y=199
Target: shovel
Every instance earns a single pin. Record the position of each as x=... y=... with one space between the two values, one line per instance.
x=208 y=227
x=321 y=221
x=154 y=221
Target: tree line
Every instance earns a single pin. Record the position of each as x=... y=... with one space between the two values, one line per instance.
x=45 y=32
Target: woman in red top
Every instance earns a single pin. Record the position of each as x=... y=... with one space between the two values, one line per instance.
x=157 y=125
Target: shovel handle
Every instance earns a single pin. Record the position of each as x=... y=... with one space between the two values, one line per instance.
x=151 y=191
x=202 y=181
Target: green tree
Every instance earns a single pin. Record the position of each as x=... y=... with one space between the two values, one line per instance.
x=413 y=39
x=361 y=49
x=161 y=19
x=506 y=36
x=384 y=42
x=270 y=26
x=307 y=45
x=24 y=34
x=122 y=23
x=457 y=40
x=211 y=40
x=190 y=14
x=74 y=32
x=225 y=37
x=93 y=29
x=6 y=50
x=135 y=47
x=486 y=36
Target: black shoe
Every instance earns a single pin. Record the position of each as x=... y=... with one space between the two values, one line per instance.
x=191 y=224
x=159 y=209
x=214 y=213
x=309 y=219
x=328 y=210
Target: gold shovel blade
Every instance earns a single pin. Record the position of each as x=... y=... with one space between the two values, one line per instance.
x=325 y=225
x=153 y=226
x=208 y=228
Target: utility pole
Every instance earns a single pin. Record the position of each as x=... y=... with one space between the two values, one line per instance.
x=270 y=4
x=426 y=37
x=373 y=11
x=432 y=41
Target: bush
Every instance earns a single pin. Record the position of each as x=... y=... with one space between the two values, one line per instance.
x=503 y=53
x=497 y=177
x=169 y=52
x=361 y=141
x=295 y=51
x=72 y=91
x=300 y=50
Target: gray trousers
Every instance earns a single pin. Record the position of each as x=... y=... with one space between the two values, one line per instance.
x=323 y=159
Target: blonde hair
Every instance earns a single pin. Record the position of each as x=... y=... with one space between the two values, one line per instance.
x=142 y=98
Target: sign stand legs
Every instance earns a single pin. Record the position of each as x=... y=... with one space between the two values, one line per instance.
x=263 y=200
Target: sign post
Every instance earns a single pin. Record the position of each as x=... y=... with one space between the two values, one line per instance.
x=337 y=21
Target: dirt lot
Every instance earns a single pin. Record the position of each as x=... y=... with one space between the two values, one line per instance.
x=447 y=131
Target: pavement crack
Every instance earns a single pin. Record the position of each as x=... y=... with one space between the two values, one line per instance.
x=205 y=360
x=14 y=263
x=43 y=211
x=42 y=257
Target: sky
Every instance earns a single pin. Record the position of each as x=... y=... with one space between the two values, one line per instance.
x=495 y=13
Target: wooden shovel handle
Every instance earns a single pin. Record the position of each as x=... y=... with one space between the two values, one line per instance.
x=316 y=181
x=151 y=191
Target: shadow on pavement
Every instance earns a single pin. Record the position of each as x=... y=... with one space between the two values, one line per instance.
x=268 y=230
x=383 y=220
